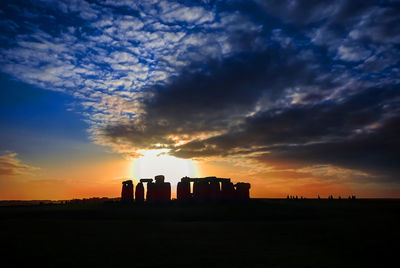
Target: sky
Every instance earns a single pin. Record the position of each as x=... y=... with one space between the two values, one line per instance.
x=295 y=97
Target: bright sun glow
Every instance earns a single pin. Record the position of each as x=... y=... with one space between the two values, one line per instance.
x=155 y=162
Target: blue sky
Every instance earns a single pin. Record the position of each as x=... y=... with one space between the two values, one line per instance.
x=27 y=111
x=39 y=126
x=288 y=86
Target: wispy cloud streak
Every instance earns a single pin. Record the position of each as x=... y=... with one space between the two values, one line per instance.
x=10 y=165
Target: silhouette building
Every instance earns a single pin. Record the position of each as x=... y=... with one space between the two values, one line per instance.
x=127 y=191
x=242 y=190
x=212 y=188
x=158 y=190
x=201 y=189
x=139 y=193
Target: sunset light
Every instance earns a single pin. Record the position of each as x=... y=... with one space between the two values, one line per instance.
x=290 y=96
x=199 y=133
x=155 y=162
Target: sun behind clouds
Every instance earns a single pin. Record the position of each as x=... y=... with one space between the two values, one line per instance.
x=157 y=162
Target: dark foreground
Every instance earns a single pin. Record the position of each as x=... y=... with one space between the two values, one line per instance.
x=258 y=233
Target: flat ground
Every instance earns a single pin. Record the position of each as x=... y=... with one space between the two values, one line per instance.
x=258 y=233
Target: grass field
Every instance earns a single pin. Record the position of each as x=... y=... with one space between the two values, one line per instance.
x=258 y=233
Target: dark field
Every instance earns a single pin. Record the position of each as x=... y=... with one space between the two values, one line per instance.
x=258 y=233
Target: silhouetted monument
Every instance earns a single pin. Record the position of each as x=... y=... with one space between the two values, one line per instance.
x=139 y=194
x=212 y=188
x=227 y=189
x=127 y=191
x=158 y=190
x=183 y=189
x=208 y=188
x=242 y=190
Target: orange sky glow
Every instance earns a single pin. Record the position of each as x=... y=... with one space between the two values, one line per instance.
x=102 y=178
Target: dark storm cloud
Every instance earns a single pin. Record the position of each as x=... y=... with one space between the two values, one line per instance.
x=360 y=133
x=323 y=89
x=312 y=11
x=219 y=96
x=375 y=152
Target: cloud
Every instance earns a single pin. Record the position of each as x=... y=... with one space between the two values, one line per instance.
x=357 y=133
x=271 y=80
x=362 y=114
x=352 y=53
x=374 y=151
x=216 y=99
x=175 y=13
x=10 y=165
